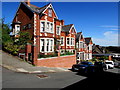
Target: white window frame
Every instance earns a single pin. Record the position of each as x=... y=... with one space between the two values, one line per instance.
x=50 y=45
x=17 y=30
x=71 y=41
x=67 y=41
x=50 y=12
x=47 y=29
x=58 y=32
x=81 y=44
x=63 y=41
x=41 y=27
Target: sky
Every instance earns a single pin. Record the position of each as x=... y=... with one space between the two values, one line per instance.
x=98 y=20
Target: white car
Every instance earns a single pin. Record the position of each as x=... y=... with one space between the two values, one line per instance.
x=109 y=64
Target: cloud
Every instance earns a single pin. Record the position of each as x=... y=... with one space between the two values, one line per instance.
x=109 y=39
x=115 y=29
x=110 y=26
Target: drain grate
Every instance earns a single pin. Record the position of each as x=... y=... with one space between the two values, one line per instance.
x=42 y=76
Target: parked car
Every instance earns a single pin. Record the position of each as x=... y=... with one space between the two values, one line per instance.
x=109 y=64
x=99 y=66
x=83 y=67
x=117 y=64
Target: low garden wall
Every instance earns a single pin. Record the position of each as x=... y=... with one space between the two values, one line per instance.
x=61 y=61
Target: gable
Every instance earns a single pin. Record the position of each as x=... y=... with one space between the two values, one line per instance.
x=53 y=11
x=24 y=8
x=72 y=29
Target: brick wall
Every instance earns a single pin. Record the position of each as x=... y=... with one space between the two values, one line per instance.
x=62 y=61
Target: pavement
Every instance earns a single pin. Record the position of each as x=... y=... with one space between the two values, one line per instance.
x=19 y=65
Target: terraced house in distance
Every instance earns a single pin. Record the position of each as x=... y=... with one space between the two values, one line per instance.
x=84 y=47
x=50 y=37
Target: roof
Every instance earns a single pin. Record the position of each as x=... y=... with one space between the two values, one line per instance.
x=66 y=28
x=87 y=40
x=36 y=9
x=78 y=35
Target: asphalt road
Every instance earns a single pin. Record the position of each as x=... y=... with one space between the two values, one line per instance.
x=65 y=80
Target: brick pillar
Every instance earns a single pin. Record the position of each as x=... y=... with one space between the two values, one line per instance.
x=34 y=55
x=28 y=50
x=110 y=58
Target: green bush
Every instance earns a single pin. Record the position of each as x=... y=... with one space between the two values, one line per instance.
x=46 y=56
x=66 y=53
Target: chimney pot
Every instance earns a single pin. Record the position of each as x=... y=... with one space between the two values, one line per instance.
x=27 y=2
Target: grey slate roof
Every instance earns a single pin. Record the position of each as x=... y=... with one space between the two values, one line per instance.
x=78 y=35
x=35 y=8
x=66 y=28
x=87 y=40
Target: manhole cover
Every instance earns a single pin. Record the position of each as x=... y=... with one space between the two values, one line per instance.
x=42 y=76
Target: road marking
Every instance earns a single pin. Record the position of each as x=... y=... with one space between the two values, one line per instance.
x=37 y=71
x=22 y=70
x=51 y=70
x=62 y=69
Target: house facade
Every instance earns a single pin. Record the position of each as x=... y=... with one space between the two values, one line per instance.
x=49 y=34
x=84 y=47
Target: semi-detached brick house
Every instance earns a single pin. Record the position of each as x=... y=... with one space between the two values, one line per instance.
x=46 y=29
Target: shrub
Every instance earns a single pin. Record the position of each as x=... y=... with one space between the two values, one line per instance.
x=46 y=56
x=67 y=53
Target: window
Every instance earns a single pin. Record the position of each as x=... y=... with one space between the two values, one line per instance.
x=42 y=26
x=47 y=26
x=29 y=26
x=51 y=45
x=62 y=40
x=68 y=41
x=47 y=45
x=81 y=44
x=42 y=45
x=51 y=27
x=72 y=41
x=50 y=12
x=58 y=30
x=17 y=29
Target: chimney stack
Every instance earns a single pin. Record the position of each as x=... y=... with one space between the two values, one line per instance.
x=27 y=2
x=62 y=22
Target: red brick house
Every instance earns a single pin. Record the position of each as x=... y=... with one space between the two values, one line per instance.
x=89 y=44
x=68 y=35
x=49 y=34
x=84 y=47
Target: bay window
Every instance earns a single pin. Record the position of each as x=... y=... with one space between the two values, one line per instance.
x=46 y=45
x=46 y=26
x=70 y=41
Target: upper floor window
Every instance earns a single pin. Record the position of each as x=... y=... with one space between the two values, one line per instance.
x=58 y=30
x=68 y=41
x=50 y=12
x=42 y=26
x=51 y=27
x=72 y=41
x=62 y=40
x=48 y=26
x=17 y=29
x=81 y=44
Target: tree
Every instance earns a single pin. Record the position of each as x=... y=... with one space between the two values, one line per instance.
x=5 y=32
x=24 y=38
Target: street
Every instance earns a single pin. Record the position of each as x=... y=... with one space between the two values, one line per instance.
x=52 y=80
x=64 y=80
